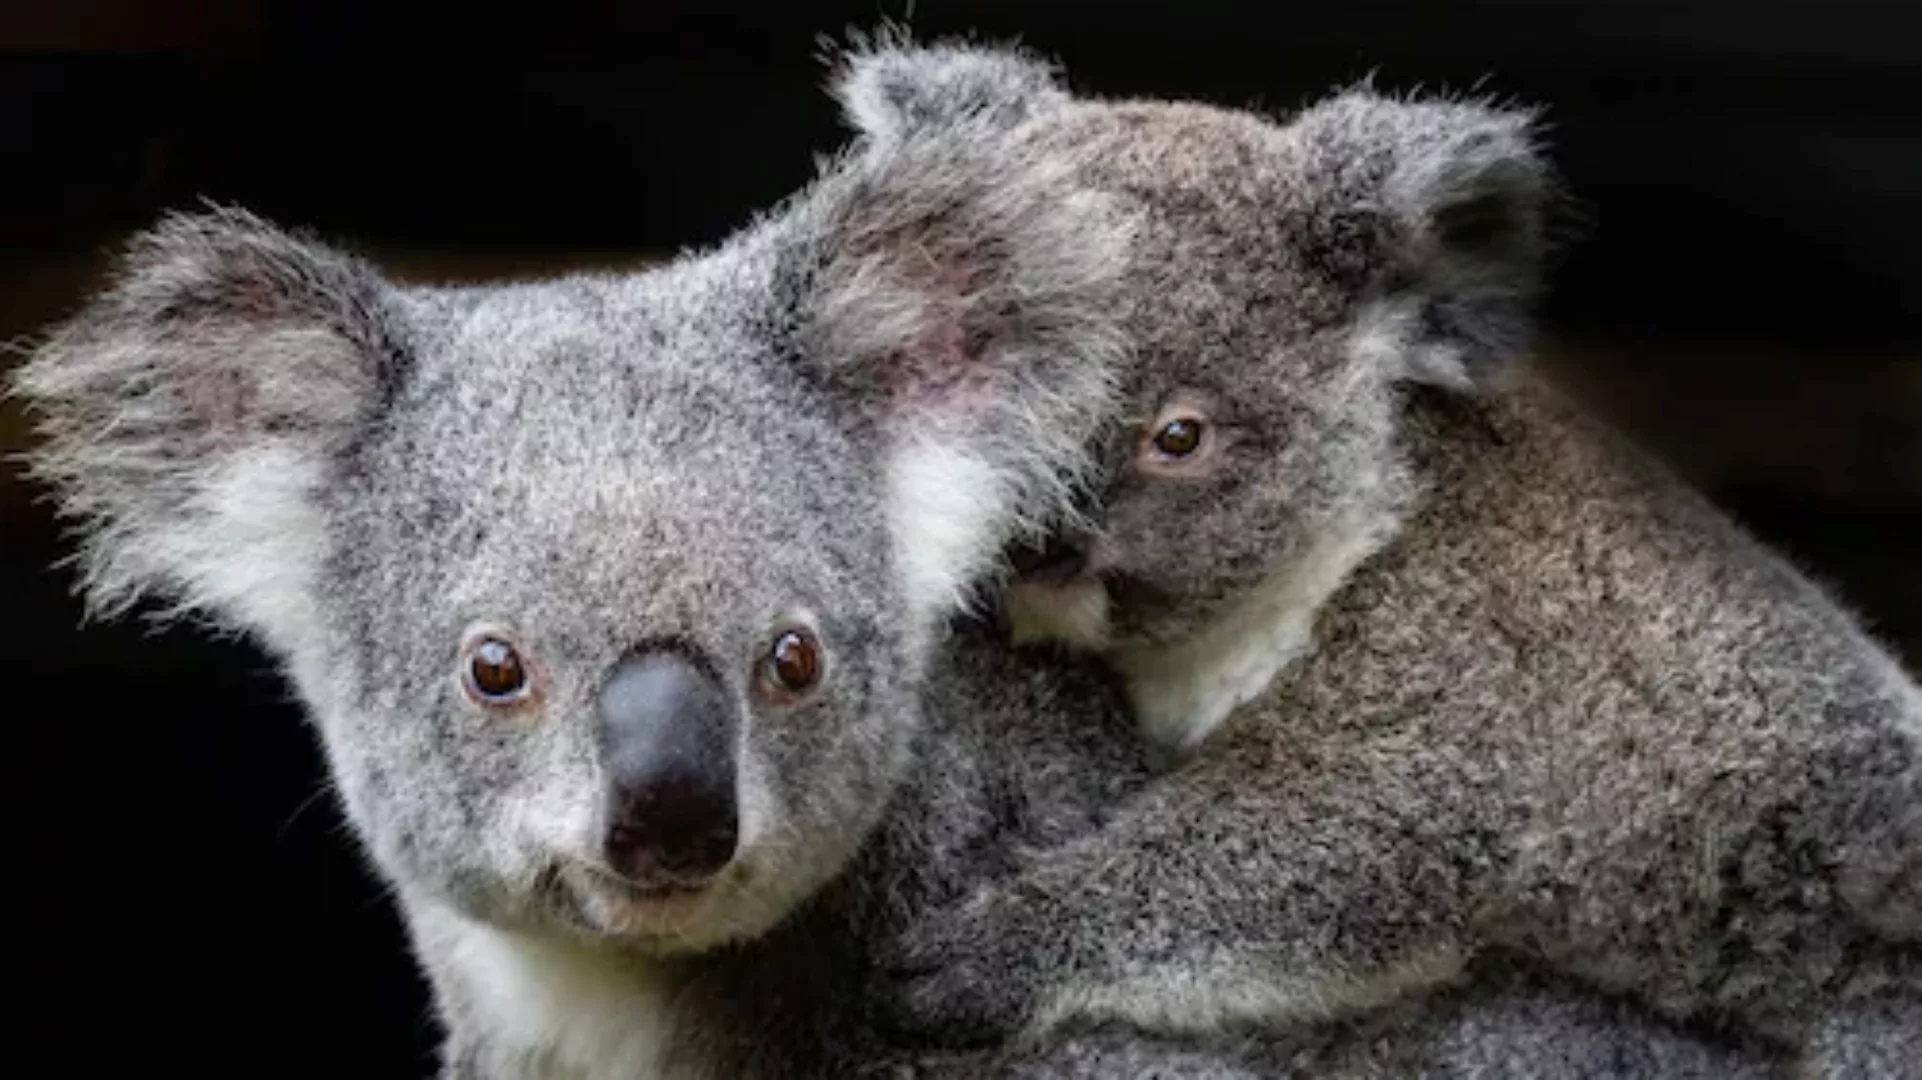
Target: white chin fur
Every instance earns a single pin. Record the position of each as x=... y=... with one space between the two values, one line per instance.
x=1182 y=692
x=1074 y=614
x=548 y=1002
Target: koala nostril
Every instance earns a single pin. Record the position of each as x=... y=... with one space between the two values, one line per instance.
x=667 y=749
x=685 y=834
x=1059 y=559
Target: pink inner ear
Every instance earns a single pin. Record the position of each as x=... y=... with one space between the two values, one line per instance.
x=949 y=360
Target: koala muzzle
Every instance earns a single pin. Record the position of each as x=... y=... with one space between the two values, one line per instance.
x=667 y=750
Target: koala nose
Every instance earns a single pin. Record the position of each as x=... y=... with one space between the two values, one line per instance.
x=1059 y=559
x=667 y=749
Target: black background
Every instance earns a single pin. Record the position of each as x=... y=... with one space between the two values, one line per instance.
x=1746 y=299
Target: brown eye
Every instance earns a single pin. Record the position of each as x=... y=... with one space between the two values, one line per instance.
x=495 y=674
x=794 y=662
x=1179 y=437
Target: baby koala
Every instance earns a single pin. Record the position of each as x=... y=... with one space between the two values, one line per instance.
x=1446 y=665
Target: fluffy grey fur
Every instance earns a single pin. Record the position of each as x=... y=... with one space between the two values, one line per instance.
x=1449 y=665
x=1506 y=1022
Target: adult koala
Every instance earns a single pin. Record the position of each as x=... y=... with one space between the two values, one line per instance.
x=609 y=597
x=1448 y=665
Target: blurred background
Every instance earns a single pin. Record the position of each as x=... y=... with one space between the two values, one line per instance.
x=1746 y=301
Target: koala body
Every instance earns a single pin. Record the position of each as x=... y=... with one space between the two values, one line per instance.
x=1447 y=665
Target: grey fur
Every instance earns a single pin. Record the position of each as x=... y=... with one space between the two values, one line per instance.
x=1507 y=1022
x=1533 y=691
x=891 y=89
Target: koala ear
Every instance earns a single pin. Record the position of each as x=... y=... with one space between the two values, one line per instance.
x=1460 y=194
x=189 y=412
x=969 y=298
x=890 y=89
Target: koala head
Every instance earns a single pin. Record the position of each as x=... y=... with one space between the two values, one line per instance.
x=605 y=594
x=1380 y=246
x=1290 y=281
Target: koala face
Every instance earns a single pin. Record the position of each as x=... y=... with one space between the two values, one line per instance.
x=606 y=633
x=1290 y=280
x=608 y=595
x=1244 y=451
x=1301 y=280
x=595 y=609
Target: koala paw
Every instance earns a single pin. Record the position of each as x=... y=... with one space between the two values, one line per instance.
x=967 y=974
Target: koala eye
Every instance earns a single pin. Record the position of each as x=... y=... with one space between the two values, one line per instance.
x=1183 y=439
x=493 y=673
x=792 y=665
x=1179 y=437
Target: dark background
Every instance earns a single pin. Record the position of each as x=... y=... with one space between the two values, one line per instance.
x=1746 y=300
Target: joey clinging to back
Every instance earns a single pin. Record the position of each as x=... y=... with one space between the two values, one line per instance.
x=1368 y=250
x=1267 y=253
x=1449 y=664
x=607 y=595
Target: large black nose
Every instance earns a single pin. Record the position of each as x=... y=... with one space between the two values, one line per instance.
x=667 y=749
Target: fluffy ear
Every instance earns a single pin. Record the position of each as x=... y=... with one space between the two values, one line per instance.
x=969 y=297
x=188 y=413
x=889 y=88
x=1458 y=193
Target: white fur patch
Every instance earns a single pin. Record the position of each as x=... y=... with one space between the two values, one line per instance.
x=947 y=510
x=1181 y=693
x=549 y=1002
x=1207 y=1000
x=252 y=543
